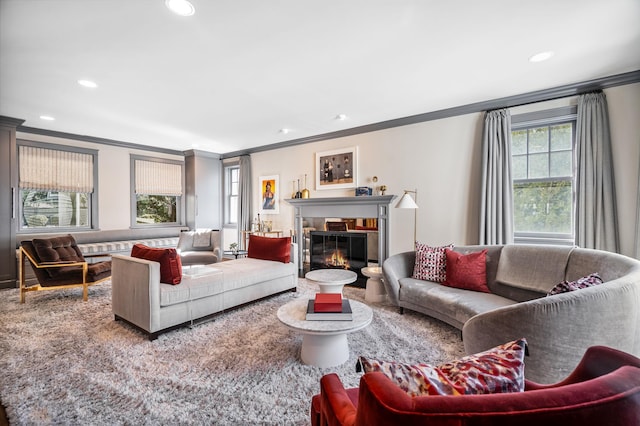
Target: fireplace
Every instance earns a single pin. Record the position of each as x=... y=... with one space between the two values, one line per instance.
x=339 y=250
x=375 y=207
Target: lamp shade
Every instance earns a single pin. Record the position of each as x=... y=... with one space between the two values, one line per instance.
x=406 y=202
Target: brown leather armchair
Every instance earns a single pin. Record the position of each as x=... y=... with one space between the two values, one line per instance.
x=58 y=263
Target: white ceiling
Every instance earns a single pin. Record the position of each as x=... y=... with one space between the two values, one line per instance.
x=230 y=76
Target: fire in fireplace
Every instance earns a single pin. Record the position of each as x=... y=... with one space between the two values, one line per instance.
x=337 y=249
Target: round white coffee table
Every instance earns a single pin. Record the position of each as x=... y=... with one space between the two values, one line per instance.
x=331 y=280
x=324 y=343
x=375 y=291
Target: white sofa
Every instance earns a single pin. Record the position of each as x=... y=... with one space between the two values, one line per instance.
x=139 y=298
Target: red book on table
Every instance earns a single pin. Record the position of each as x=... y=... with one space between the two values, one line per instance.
x=328 y=302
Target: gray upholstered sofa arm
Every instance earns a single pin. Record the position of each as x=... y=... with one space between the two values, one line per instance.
x=560 y=328
x=136 y=291
x=394 y=268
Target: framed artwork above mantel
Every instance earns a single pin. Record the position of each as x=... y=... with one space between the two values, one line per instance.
x=337 y=169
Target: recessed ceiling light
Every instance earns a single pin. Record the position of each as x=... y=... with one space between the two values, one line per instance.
x=542 y=56
x=88 y=83
x=180 y=7
x=284 y=131
x=47 y=118
x=341 y=117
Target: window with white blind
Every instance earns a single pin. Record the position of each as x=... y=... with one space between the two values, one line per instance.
x=56 y=185
x=157 y=188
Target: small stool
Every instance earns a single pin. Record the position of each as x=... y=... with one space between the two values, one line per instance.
x=375 y=291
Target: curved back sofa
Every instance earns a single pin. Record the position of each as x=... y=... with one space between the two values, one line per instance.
x=558 y=328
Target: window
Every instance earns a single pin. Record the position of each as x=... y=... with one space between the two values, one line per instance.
x=56 y=185
x=542 y=150
x=157 y=191
x=232 y=190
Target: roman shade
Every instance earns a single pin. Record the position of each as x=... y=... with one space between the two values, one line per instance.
x=158 y=178
x=55 y=170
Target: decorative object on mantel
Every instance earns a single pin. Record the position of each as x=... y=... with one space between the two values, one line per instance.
x=383 y=189
x=364 y=191
x=298 y=193
x=305 y=191
x=406 y=202
x=293 y=185
x=337 y=169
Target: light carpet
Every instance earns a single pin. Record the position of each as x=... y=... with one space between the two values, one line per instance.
x=65 y=361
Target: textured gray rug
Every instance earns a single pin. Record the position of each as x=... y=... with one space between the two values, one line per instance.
x=68 y=362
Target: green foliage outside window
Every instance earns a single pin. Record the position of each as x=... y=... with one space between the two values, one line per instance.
x=156 y=209
x=542 y=166
x=542 y=207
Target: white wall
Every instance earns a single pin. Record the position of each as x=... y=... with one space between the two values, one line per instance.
x=114 y=204
x=442 y=160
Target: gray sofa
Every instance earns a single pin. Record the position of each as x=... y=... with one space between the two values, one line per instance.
x=139 y=298
x=558 y=328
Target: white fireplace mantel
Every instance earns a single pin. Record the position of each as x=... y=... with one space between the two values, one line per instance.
x=346 y=207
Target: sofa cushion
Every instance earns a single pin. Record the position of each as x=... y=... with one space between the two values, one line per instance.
x=531 y=268
x=58 y=249
x=267 y=248
x=170 y=264
x=467 y=271
x=240 y=273
x=430 y=263
x=584 y=282
x=197 y=282
x=498 y=370
x=453 y=305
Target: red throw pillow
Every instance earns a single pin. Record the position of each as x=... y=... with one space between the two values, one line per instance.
x=267 y=248
x=468 y=271
x=170 y=263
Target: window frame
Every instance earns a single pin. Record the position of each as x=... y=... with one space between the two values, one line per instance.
x=180 y=202
x=93 y=196
x=548 y=118
x=228 y=185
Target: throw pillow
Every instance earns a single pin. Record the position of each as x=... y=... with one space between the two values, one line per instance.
x=430 y=263
x=267 y=248
x=468 y=271
x=584 y=282
x=170 y=263
x=498 y=370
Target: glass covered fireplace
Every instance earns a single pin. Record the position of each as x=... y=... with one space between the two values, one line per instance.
x=339 y=250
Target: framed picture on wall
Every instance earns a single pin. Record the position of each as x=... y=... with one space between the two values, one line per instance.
x=337 y=169
x=269 y=194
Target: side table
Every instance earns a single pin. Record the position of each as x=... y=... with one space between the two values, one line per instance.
x=237 y=253
x=324 y=343
x=331 y=280
x=375 y=291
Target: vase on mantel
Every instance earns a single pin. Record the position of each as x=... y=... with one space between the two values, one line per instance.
x=305 y=191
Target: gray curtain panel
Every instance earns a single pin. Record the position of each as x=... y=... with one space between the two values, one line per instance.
x=596 y=211
x=638 y=218
x=496 y=209
x=245 y=196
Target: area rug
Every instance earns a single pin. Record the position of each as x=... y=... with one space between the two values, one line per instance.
x=65 y=361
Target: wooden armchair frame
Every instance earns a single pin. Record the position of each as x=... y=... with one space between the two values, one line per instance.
x=27 y=251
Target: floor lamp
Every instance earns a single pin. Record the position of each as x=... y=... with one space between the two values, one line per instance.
x=406 y=202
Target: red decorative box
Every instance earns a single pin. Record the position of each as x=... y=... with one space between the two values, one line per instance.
x=328 y=302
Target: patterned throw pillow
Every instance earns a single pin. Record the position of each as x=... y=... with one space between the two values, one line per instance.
x=430 y=263
x=498 y=370
x=584 y=282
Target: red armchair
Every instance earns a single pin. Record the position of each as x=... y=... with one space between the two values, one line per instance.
x=603 y=389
